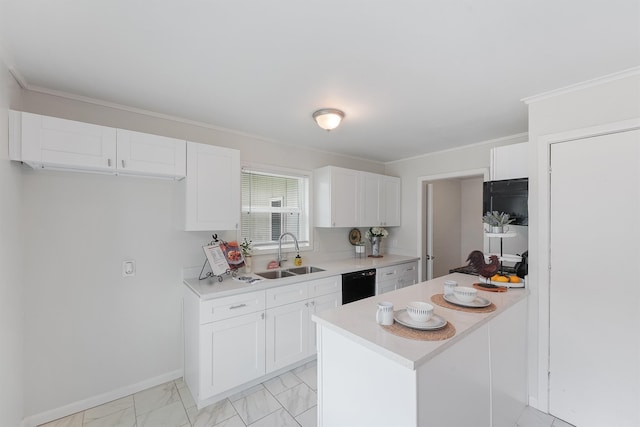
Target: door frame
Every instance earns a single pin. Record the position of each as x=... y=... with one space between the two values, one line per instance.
x=540 y=262
x=425 y=212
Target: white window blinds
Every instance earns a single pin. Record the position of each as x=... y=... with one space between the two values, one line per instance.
x=274 y=203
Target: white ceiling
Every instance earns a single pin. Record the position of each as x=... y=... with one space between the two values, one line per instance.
x=412 y=76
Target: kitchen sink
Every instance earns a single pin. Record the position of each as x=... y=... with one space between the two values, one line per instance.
x=305 y=270
x=289 y=272
x=275 y=274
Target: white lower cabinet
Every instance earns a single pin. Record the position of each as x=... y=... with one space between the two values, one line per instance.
x=316 y=305
x=287 y=335
x=396 y=276
x=232 y=352
x=236 y=340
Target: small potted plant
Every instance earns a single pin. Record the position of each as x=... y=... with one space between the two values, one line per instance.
x=497 y=221
x=245 y=248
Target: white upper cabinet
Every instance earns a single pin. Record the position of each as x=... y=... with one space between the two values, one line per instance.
x=41 y=141
x=212 y=188
x=509 y=162
x=390 y=201
x=380 y=200
x=50 y=142
x=350 y=198
x=336 y=197
x=145 y=154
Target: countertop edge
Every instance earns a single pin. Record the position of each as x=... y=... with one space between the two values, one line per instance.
x=332 y=268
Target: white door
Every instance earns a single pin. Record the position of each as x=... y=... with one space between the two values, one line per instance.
x=143 y=153
x=594 y=348
x=287 y=334
x=212 y=188
x=370 y=194
x=67 y=143
x=428 y=236
x=232 y=353
x=318 y=305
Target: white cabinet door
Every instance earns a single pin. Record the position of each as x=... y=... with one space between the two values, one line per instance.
x=380 y=200
x=146 y=154
x=212 y=188
x=408 y=274
x=509 y=162
x=386 y=286
x=287 y=335
x=594 y=348
x=231 y=353
x=337 y=198
x=60 y=143
x=371 y=202
x=390 y=201
x=317 y=305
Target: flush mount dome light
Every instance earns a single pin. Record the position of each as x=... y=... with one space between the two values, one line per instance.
x=328 y=118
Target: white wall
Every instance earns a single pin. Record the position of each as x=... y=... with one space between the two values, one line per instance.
x=90 y=333
x=471 y=227
x=471 y=157
x=11 y=293
x=614 y=99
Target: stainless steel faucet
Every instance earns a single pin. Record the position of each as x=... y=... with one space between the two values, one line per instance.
x=280 y=246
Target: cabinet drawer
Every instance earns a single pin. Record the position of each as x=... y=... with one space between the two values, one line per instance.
x=387 y=273
x=236 y=305
x=325 y=286
x=286 y=294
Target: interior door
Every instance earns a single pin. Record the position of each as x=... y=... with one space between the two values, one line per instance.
x=594 y=348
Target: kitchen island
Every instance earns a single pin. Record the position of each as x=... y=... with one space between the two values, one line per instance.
x=367 y=376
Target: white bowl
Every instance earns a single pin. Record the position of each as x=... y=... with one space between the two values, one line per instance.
x=465 y=294
x=420 y=311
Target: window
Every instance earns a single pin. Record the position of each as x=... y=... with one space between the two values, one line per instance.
x=274 y=202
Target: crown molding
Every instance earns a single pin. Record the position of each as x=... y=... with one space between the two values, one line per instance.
x=583 y=85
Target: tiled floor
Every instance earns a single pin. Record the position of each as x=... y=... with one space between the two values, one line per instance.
x=284 y=401
x=534 y=418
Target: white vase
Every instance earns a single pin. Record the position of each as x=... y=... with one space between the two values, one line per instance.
x=247 y=264
x=375 y=245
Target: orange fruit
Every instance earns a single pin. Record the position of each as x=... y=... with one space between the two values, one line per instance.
x=514 y=279
x=501 y=279
x=494 y=277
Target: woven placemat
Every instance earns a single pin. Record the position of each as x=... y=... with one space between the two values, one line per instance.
x=416 y=334
x=439 y=300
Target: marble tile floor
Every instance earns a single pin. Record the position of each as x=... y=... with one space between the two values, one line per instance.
x=288 y=400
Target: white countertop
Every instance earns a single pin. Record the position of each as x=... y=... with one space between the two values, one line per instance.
x=356 y=321
x=210 y=288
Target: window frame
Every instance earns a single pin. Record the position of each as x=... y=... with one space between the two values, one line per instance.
x=285 y=172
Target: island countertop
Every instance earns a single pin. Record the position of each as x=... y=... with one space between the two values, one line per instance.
x=356 y=321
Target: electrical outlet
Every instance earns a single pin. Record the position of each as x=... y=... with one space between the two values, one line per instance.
x=128 y=268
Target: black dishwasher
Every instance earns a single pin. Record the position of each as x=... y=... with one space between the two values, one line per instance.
x=358 y=285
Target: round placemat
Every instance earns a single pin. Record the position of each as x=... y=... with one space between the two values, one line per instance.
x=416 y=334
x=439 y=300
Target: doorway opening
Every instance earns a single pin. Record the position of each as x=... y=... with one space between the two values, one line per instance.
x=449 y=220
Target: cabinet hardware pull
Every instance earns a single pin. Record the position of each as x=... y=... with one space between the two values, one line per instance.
x=233 y=307
x=262 y=315
x=306 y=304
x=109 y=162
x=123 y=163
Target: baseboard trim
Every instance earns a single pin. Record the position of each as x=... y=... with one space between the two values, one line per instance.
x=82 y=405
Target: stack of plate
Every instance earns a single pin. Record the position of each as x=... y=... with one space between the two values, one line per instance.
x=434 y=323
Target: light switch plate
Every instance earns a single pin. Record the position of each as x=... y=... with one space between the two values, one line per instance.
x=128 y=268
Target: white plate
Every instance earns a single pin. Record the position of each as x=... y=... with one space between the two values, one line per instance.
x=479 y=302
x=435 y=322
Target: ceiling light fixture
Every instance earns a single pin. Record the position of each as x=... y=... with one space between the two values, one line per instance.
x=328 y=118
